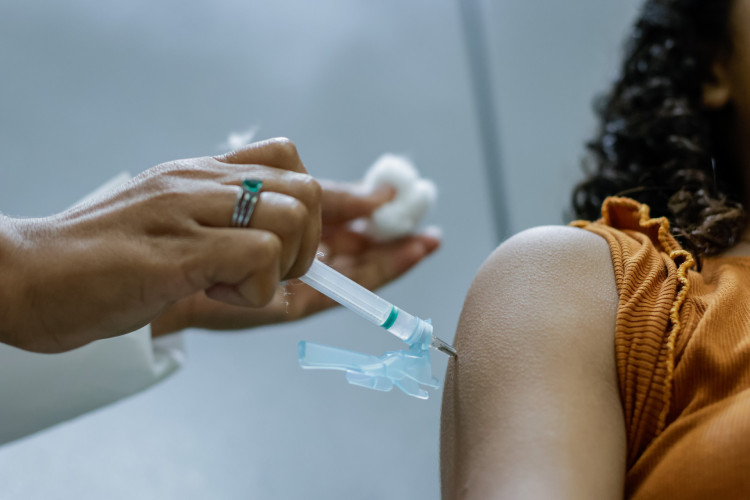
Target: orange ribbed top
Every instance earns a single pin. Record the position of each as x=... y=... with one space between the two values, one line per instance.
x=682 y=342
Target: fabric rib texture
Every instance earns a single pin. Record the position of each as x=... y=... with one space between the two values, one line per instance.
x=682 y=344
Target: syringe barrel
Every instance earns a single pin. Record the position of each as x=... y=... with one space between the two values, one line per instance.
x=348 y=293
x=362 y=301
x=404 y=326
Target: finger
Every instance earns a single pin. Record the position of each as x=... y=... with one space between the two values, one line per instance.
x=247 y=261
x=215 y=205
x=287 y=217
x=342 y=202
x=212 y=171
x=256 y=290
x=279 y=152
x=341 y=240
x=292 y=222
x=386 y=262
x=278 y=213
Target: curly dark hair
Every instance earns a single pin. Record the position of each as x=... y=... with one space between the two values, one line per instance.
x=657 y=143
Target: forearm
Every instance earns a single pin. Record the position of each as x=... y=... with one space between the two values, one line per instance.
x=21 y=277
x=10 y=243
x=54 y=295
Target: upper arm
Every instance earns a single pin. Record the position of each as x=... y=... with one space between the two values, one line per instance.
x=531 y=407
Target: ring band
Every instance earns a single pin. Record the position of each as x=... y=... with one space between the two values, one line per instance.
x=247 y=199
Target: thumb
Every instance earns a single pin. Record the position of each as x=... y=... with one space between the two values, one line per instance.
x=342 y=202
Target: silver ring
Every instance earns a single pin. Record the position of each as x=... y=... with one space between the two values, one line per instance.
x=247 y=199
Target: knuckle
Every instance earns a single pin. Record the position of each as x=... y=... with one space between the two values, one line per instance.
x=306 y=189
x=296 y=216
x=270 y=245
x=286 y=149
x=311 y=191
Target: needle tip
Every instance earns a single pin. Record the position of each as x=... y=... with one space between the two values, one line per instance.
x=443 y=346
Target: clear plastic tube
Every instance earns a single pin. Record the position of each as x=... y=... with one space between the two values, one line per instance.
x=413 y=330
x=347 y=293
x=362 y=301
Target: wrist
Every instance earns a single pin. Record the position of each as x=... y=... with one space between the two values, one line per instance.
x=174 y=318
x=10 y=245
x=164 y=325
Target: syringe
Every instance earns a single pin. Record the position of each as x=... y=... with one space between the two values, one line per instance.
x=410 y=329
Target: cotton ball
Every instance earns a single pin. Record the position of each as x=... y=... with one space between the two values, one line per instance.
x=394 y=170
x=414 y=197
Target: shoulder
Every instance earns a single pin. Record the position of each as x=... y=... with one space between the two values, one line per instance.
x=558 y=264
x=546 y=288
x=556 y=244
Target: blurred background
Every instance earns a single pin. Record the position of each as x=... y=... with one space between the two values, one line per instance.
x=90 y=88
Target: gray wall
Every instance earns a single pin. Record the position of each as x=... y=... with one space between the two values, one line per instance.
x=89 y=88
x=550 y=59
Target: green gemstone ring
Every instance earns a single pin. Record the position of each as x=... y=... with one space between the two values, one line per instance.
x=247 y=199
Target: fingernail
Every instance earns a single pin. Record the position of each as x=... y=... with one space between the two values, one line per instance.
x=431 y=246
x=435 y=232
x=418 y=249
x=431 y=237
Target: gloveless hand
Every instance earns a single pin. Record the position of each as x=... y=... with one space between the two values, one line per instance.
x=115 y=264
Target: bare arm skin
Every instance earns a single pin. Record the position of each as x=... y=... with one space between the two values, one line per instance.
x=531 y=407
